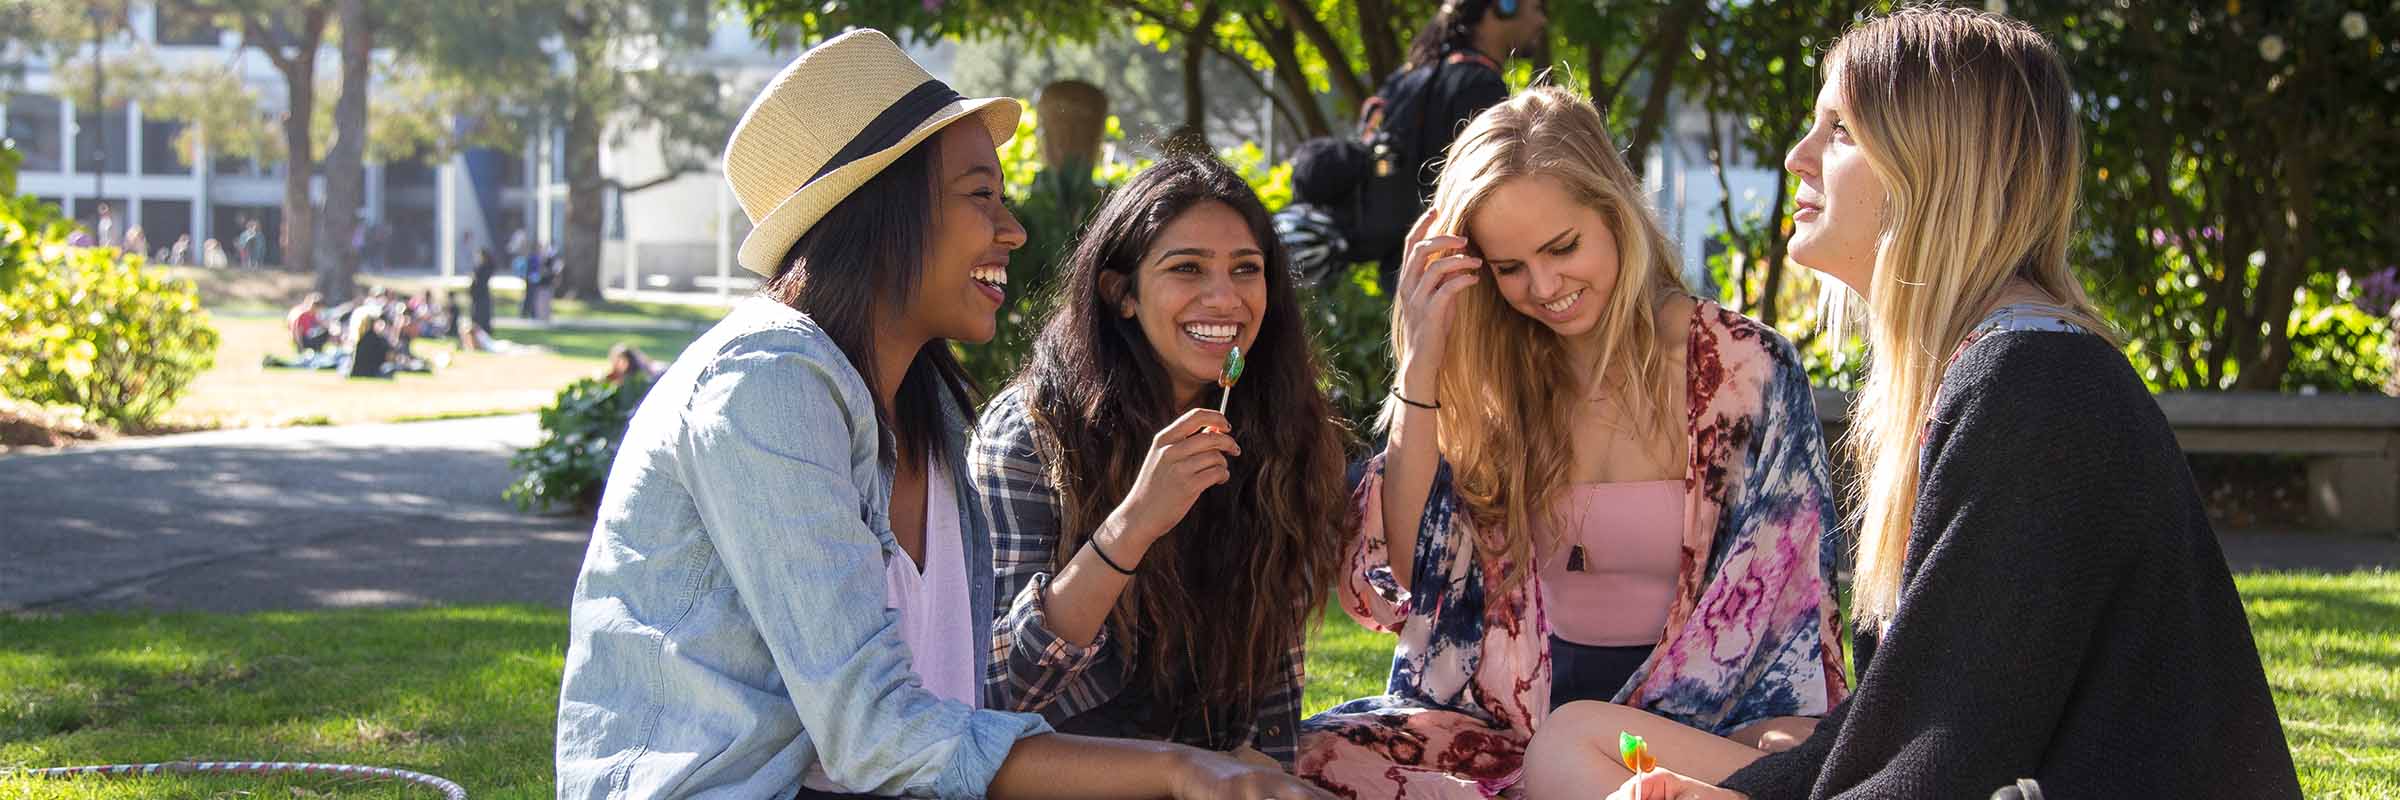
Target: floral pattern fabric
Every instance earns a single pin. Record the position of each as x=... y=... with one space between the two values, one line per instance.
x=1750 y=634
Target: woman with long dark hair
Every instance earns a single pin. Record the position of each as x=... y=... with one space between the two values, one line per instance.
x=1159 y=561
x=788 y=589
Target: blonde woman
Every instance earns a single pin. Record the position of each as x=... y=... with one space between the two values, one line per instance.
x=1595 y=487
x=2050 y=601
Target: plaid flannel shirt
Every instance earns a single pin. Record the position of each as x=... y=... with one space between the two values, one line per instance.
x=1032 y=669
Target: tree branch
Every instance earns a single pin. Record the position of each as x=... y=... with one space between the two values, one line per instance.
x=648 y=184
x=1345 y=79
x=1278 y=41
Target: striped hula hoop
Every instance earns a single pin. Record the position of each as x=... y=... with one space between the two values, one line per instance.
x=449 y=789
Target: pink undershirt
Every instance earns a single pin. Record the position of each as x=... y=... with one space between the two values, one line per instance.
x=1632 y=539
x=936 y=619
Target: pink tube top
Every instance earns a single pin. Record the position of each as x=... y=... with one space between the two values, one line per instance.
x=1615 y=591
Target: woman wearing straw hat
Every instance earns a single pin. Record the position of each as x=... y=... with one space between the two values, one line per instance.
x=789 y=589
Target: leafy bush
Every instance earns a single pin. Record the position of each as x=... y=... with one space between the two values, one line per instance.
x=1351 y=323
x=580 y=436
x=92 y=328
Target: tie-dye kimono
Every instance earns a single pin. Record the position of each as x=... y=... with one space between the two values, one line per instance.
x=1749 y=636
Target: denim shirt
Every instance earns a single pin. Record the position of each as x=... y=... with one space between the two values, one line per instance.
x=729 y=628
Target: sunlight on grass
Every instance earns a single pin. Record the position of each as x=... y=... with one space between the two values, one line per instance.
x=470 y=693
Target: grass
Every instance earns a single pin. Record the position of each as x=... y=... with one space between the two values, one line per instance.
x=238 y=392
x=465 y=693
x=248 y=309
x=469 y=693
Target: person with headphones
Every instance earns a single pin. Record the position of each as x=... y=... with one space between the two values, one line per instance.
x=1453 y=72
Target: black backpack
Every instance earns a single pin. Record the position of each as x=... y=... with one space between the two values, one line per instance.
x=1397 y=130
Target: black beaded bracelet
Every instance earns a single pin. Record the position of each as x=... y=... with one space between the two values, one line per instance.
x=1429 y=407
x=1104 y=559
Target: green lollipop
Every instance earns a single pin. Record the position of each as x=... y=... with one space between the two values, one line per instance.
x=1228 y=375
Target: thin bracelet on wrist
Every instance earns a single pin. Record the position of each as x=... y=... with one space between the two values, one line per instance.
x=1104 y=559
x=1396 y=395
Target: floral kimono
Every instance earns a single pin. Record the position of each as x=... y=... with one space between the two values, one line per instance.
x=1750 y=634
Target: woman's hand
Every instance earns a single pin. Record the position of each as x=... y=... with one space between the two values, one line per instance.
x=1664 y=784
x=1202 y=774
x=1184 y=460
x=1436 y=270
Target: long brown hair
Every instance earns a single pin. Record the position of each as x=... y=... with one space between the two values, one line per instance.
x=1504 y=420
x=1220 y=600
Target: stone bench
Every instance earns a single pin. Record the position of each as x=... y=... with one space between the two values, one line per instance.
x=2351 y=441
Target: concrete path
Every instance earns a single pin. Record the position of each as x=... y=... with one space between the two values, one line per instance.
x=368 y=515
x=406 y=515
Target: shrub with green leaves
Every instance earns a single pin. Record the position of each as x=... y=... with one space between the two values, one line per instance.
x=92 y=328
x=580 y=436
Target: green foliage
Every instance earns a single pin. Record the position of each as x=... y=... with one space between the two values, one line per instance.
x=580 y=436
x=2218 y=212
x=1351 y=323
x=92 y=328
x=2337 y=346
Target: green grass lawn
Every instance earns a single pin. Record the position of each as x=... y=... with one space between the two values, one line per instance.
x=468 y=693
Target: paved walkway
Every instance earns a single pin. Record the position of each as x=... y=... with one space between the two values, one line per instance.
x=404 y=515
x=368 y=515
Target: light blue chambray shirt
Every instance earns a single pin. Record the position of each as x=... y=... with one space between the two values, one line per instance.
x=729 y=626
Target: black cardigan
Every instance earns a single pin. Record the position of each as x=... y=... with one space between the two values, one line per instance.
x=2065 y=613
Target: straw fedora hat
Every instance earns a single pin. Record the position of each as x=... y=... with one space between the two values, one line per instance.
x=834 y=118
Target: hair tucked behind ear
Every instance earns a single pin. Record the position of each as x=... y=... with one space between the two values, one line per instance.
x=1504 y=422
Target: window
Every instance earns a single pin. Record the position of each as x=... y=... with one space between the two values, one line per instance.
x=33 y=124
x=90 y=146
x=160 y=156
x=163 y=221
x=181 y=26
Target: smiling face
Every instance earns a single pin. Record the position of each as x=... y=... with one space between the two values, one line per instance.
x=966 y=251
x=1552 y=257
x=1839 y=213
x=1199 y=291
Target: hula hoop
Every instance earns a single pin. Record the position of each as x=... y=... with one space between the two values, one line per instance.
x=449 y=789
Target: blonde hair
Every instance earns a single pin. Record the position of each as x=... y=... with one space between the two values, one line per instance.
x=1968 y=120
x=1504 y=419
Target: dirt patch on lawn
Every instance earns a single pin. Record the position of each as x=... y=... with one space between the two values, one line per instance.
x=27 y=426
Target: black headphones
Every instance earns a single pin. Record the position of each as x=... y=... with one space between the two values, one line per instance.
x=1465 y=13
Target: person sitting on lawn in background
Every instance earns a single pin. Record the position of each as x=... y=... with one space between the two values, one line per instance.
x=627 y=362
x=307 y=324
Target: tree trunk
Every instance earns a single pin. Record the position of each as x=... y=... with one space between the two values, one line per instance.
x=1674 y=29
x=1194 y=131
x=345 y=162
x=1346 y=83
x=297 y=63
x=579 y=270
x=299 y=214
x=1375 y=28
x=1278 y=41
